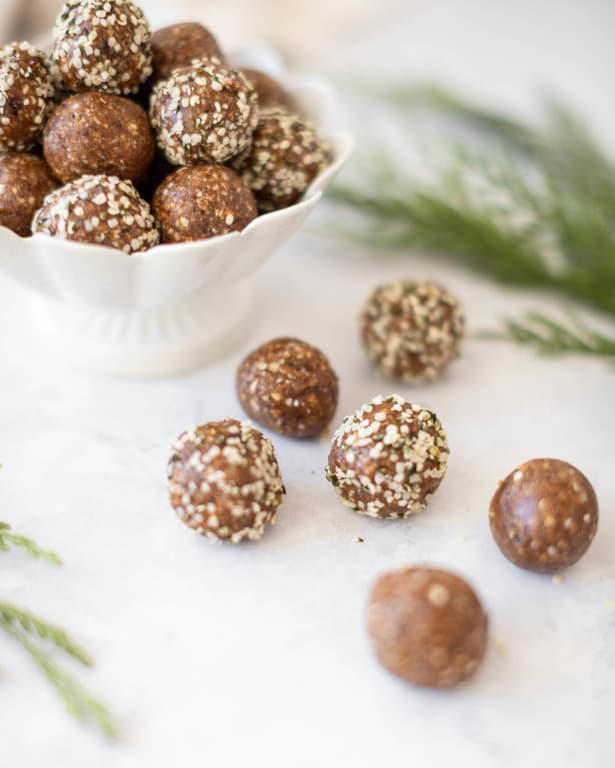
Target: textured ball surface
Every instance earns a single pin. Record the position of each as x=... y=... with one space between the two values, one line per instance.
x=412 y=330
x=204 y=113
x=96 y=133
x=178 y=45
x=224 y=481
x=202 y=201
x=271 y=95
x=103 y=210
x=26 y=94
x=25 y=181
x=427 y=626
x=288 y=386
x=544 y=515
x=101 y=45
x=388 y=458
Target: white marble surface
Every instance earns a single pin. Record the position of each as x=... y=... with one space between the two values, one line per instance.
x=257 y=655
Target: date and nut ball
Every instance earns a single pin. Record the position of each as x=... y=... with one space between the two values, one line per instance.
x=224 y=481
x=25 y=181
x=203 y=113
x=544 y=515
x=427 y=626
x=271 y=95
x=285 y=156
x=97 y=133
x=26 y=93
x=103 y=210
x=101 y=45
x=388 y=458
x=412 y=330
x=202 y=201
x=179 y=45
x=288 y=386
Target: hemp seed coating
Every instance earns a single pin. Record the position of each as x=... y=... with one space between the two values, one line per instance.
x=25 y=181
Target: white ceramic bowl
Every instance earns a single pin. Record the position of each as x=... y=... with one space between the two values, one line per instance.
x=174 y=307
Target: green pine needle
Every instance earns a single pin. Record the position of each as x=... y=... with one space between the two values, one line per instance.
x=28 y=545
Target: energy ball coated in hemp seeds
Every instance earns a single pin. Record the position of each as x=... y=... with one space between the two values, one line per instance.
x=178 y=45
x=285 y=156
x=202 y=201
x=25 y=181
x=204 y=113
x=271 y=95
x=412 y=330
x=288 y=386
x=427 y=626
x=224 y=481
x=103 y=210
x=101 y=45
x=97 y=133
x=544 y=515
x=388 y=458
x=26 y=93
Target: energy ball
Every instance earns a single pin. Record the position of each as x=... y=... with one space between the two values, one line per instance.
x=97 y=133
x=288 y=386
x=101 y=45
x=271 y=95
x=224 y=481
x=285 y=156
x=178 y=45
x=544 y=515
x=388 y=458
x=103 y=210
x=427 y=626
x=203 y=113
x=202 y=201
x=26 y=93
x=25 y=181
x=412 y=330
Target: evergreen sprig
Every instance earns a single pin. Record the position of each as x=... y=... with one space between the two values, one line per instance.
x=7 y=538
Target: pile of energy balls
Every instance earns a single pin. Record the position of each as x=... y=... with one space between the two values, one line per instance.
x=386 y=460
x=125 y=138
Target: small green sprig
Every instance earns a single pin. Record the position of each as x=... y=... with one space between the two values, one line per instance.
x=7 y=538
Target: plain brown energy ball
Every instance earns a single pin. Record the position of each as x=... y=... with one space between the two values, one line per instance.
x=26 y=93
x=285 y=156
x=204 y=113
x=179 y=45
x=97 y=133
x=202 y=201
x=103 y=210
x=101 y=45
x=25 y=181
x=544 y=515
x=412 y=330
x=288 y=386
x=388 y=458
x=224 y=481
x=271 y=95
x=427 y=626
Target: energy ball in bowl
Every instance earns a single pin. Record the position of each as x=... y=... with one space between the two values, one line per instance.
x=97 y=133
x=271 y=95
x=26 y=93
x=224 y=481
x=427 y=626
x=103 y=210
x=25 y=181
x=101 y=45
x=285 y=156
x=544 y=515
x=412 y=330
x=388 y=458
x=202 y=201
x=179 y=45
x=204 y=113
x=288 y=386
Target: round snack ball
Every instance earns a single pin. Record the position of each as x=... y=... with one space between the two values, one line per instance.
x=285 y=156
x=103 y=210
x=412 y=330
x=202 y=201
x=224 y=481
x=289 y=387
x=427 y=626
x=203 y=113
x=101 y=45
x=271 y=95
x=388 y=458
x=25 y=181
x=544 y=515
x=26 y=93
x=179 y=45
x=97 y=133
